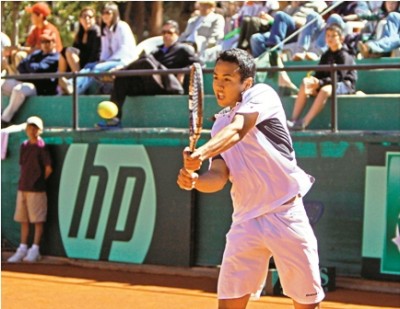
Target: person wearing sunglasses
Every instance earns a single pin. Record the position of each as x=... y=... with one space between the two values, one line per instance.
x=39 y=13
x=44 y=60
x=170 y=55
x=117 y=44
x=85 y=49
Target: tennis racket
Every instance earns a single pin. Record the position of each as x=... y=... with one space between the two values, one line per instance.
x=196 y=98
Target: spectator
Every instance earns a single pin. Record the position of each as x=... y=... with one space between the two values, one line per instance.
x=39 y=14
x=255 y=17
x=5 y=44
x=117 y=46
x=172 y=55
x=311 y=42
x=31 y=205
x=44 y=60
x=85 y=49
x=205 y=31
x=383 y=44
x=320 y=85
x=285 y=23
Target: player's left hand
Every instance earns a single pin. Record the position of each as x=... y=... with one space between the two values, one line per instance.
x=191 y=161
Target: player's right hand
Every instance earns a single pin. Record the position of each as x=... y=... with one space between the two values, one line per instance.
x=186 y=180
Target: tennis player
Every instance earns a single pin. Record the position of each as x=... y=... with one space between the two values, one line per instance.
x=252 y=148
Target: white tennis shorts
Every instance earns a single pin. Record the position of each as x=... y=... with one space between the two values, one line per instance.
x=284 y=234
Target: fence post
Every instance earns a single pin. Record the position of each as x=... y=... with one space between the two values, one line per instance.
x=334 y=120
x=75 y=116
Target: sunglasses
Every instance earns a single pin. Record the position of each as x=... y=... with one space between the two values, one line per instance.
x=167 y=32
x=109 y=12
x=45 y=42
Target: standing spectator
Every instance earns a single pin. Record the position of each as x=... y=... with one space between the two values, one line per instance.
x=39 y=14
x=171 y=54
x=320 y=85
x=117 y=48
x=44 y=60
x=205 y=31
x=250 y=146
x=31 y=205
x=85 y=49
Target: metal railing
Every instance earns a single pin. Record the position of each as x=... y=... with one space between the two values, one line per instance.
x=331 y=68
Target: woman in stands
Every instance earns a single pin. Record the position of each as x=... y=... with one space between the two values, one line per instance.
x=85 y=49
x=117 y=46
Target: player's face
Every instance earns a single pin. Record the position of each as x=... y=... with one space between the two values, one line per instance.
x=227 y=85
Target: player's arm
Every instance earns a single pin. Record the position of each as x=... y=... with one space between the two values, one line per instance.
x=225 y=139
x=211 y=181
x=47 y=171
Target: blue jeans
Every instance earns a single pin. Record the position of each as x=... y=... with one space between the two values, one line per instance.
x=282 y=27
x=312 y=38
x=83 y=83
x=390 y=36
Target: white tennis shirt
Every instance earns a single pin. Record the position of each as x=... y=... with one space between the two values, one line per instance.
x=262 y=166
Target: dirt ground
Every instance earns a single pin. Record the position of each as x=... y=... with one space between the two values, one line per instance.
x=42 y=286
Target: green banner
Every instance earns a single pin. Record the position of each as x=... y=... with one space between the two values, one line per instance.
x=391 y=249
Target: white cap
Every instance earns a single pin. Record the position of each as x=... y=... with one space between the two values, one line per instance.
x=36 y=121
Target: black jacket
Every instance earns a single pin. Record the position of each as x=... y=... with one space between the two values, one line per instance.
x=38 y=62
x=342 y=56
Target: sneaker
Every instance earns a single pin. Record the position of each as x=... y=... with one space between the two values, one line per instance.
x=296 y=125
x=114 y=123
x=32 y=256
x=18 y=256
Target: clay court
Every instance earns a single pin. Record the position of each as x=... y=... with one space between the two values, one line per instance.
x=75 y=284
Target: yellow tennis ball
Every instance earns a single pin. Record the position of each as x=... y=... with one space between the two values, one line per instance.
x=107 y=109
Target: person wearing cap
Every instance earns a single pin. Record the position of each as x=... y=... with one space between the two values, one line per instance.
x=39 y=14
x=31 y=205
x=44 y=60
x=205 y=31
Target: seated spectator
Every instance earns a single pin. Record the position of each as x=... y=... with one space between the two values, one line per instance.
x=285 y=23
x=205 y=31
x=171 y=54
x=44 y=60
x=39 y=14
x=255 y=17
x=382 y=44
x=117 y=45
x=320 y=85
x=311 y=42
x=85 y=49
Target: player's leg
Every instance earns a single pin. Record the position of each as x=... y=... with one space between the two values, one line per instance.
x=302 y=306
x=38 y=233
x=244 y=265
x=295 y=250
x=236 y=303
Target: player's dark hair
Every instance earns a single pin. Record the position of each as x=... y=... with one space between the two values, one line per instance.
x=245 y=61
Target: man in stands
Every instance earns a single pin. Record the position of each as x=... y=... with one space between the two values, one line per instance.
x=44 y=60
x=39 y=13
x=170 y=55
